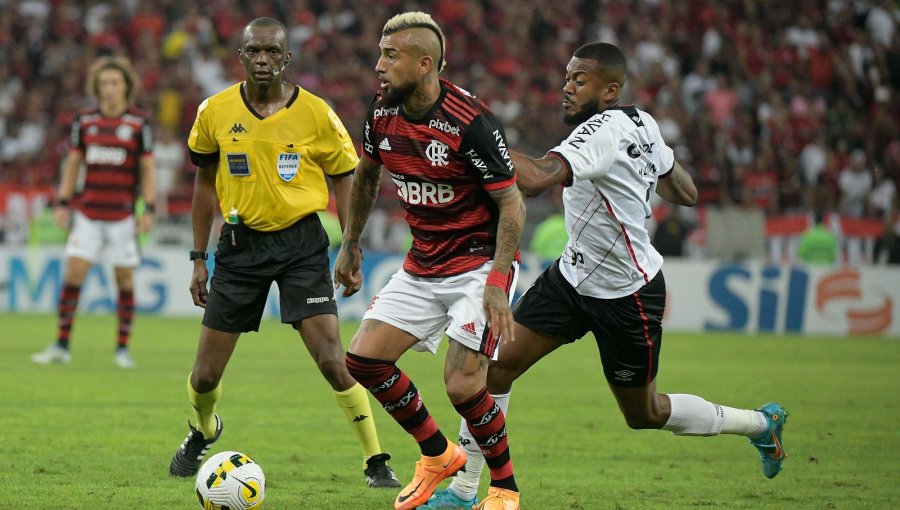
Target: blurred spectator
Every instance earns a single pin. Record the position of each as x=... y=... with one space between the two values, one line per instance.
x=855 y=183
x=818 y=245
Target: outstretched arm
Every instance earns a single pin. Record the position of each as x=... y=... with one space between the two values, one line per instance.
x=677 y=187
x=534 y=176
x=509 y=230
x=348 y=265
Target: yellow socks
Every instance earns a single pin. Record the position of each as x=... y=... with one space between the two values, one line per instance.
x=204 y=405
x=354 y=401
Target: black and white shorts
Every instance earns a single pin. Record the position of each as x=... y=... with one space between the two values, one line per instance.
x=628 y=330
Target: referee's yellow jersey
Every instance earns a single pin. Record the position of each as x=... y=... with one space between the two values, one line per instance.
x=272 y=170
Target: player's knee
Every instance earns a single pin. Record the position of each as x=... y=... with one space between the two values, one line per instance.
x=460 y=389
x=333 y=369
x=641 y=419
x=204 y=380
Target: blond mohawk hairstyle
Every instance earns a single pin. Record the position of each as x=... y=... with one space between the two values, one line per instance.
x=118 y=63
x=417 y=19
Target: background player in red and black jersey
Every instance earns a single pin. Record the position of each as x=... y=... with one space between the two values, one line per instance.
x=448 y=158
x=114 y=143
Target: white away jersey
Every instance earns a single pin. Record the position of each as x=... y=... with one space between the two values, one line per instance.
x=614 y=160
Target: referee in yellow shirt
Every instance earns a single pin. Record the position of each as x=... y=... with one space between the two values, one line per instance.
x=263 y=148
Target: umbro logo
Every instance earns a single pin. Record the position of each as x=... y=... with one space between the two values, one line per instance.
x=237 y=128
x=468 y=328
x=384 y=145
x=624 y=375
x=359 y=418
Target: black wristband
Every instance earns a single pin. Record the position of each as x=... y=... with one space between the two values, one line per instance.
x=149 y=208
x=62 y=202
x=199 y=255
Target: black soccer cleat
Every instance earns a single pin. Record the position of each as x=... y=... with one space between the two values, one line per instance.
x=378 y=473
x=192 y=451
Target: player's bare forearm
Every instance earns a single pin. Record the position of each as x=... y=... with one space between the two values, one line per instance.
x=537 y=175
x=148 y=179
x=362 y=198
x=203 y=205
x=69 y=175
x=677 y=187
x=509 y=227
x=343 y=185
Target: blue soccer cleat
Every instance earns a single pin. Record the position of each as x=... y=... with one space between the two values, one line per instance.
x=448 y=500
x=769 y=445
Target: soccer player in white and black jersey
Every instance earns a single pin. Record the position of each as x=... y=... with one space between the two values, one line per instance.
x=608 y=280
x=448 y=158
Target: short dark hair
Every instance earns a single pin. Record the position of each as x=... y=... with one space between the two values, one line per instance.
x=609 y=56
x=267 y=23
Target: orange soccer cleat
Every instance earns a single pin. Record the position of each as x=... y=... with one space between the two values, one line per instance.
x=499 y=499
x=429 y=473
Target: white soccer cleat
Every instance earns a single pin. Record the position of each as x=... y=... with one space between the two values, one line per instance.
x=123 y=359
x=52 y=354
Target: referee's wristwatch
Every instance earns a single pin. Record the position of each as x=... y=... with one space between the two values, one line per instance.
x=198 y=255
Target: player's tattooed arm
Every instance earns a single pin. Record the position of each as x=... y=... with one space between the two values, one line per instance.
x=348 y=264
x=509 y=230
x=677 y=187
x=536 y=175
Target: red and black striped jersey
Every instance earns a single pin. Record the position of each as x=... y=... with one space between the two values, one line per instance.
x=443 y=165
x=112 y=148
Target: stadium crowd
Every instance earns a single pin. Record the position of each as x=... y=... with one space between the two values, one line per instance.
x=782 y=106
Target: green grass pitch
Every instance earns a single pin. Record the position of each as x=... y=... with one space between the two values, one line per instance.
x=91 y=436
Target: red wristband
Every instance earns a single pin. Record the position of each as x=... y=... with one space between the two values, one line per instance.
x=498 y=279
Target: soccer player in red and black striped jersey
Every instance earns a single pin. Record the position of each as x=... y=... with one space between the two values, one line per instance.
x=447 y=156
x=114 y=142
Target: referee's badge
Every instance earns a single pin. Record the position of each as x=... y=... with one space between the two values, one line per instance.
x=288 y=164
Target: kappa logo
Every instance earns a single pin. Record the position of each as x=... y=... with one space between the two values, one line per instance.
x=468 y=328
x=436 y=152
x=237 y=128
x=384 y=145
x=315 y=300
x=359 y=418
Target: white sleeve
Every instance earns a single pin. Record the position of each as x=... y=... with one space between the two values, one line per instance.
x=588 y=151
x=666 y=154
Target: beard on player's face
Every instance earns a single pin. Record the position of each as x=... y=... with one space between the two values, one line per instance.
x=397 y=94
x=585 y=112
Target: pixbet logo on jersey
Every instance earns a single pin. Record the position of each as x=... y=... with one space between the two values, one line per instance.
x=444 y=126
x=422 y=193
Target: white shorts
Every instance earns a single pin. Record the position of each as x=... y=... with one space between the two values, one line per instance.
x=115 y=240
x=428 y=307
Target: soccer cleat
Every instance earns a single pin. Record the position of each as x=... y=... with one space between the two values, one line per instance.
x=446 y=499
x=429 y=473
x=192 y=451
x=123 y=358
x=499 y=499
x=768 y=443
x=378 y=473
x=54 y=353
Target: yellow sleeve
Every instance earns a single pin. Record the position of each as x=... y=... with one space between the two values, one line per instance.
x=202 y=139
x=335 y=151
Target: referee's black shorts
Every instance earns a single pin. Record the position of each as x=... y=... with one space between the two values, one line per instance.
x=296 y=258
x=628 y=329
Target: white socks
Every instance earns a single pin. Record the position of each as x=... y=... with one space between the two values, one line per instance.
x=693 y=416
x=465 y=483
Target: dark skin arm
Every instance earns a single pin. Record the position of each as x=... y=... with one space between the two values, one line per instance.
x=348 y=265
x=203 y=209
x=509 y=230
x=537 y=175
x=677 y=187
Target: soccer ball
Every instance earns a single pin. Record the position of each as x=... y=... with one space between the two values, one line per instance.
x=232 y=481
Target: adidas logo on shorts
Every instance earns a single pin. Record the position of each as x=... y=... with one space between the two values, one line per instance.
x=468 y=328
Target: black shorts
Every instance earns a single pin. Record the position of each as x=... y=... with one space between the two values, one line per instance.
x=628 y=329
x=296 y=258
